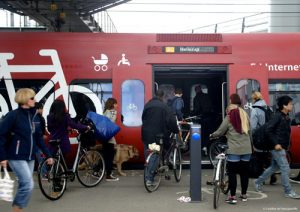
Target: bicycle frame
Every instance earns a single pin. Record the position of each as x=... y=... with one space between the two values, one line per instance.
x=221 y=157
x=58 y=78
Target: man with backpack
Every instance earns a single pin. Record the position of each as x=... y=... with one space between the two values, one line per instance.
x=278 y=133
x=260 y=114
x=177 y=104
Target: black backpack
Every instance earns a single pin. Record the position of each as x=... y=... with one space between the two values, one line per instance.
x=268 y=112
x=259 y=137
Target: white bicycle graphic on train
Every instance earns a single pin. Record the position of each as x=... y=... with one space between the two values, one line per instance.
x=57 y=79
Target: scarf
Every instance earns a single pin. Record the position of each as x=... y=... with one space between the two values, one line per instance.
x=238 y=118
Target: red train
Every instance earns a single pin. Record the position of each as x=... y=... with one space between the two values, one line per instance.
x=87 y=68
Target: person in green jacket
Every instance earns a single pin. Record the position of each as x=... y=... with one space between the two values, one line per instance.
x=236 y=127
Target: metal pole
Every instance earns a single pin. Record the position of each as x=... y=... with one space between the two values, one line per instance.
x=195 y=166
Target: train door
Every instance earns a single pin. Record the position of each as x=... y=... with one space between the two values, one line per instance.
x=211 y=80
x=131 y=87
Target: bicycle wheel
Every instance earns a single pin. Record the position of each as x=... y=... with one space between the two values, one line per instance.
x=52 y=179
x=152 y=177
x=224 y=178
x=214 y=150
x=177 y=165
x=90 y=168
x=217 y=184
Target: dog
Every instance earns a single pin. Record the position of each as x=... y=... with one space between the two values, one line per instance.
x=123 y=153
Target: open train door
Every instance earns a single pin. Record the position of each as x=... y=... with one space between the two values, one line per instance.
x=132 y=87
x=212 y=79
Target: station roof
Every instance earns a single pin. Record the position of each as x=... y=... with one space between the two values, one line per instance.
x=67 y=15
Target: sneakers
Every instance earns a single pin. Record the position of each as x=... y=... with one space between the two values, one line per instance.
x=243 y=197
x=292 y=195
x=258 y=187
x=111 y=178
x=149 y=183
x=295 y=179
x=231 y=200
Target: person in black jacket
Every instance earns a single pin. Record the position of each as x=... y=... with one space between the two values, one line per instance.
x=19 y=151
x=278 y=131
x=158 y=119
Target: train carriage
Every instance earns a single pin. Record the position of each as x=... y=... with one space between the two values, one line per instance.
x=84 y=69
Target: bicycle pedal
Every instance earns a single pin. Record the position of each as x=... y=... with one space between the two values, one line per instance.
x=72 y=177
x=167 y=177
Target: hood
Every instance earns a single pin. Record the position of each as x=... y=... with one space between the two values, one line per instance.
x=261 y=103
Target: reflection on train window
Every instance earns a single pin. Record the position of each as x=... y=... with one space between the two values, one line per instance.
x=36 y=85
x=244 y=89
x=286 y=87
x=193 y=94
x=102 y=89
x=133 y=95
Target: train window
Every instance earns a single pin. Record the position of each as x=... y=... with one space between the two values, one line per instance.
x=103 y=89
x=133 y=96
x=290 y=88
x=244 y=89
x=36 y=85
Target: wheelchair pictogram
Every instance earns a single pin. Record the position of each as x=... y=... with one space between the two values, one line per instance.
x=101 y=63
x=124 y=61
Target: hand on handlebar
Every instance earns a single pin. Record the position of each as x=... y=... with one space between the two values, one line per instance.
x=88 y=128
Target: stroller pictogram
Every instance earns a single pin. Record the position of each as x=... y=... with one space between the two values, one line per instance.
x=101 y=64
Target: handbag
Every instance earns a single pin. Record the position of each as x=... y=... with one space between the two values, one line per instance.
x=6 y=186
x=105 y=128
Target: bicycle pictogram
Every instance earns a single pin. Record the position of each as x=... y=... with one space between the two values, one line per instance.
x=57 y=79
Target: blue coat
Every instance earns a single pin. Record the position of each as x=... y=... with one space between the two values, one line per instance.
x=27 y=135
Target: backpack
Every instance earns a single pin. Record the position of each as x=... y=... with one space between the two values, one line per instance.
x=259 y=138
x=268 y=112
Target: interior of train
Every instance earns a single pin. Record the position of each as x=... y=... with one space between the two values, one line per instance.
x=213 y=81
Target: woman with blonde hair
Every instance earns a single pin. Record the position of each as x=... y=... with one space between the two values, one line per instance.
x=20 y=150
x=236 y=127
x=110 y=111
x=257 y=119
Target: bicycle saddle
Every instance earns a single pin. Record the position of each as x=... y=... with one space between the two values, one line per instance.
x=223 y=147
x=54 y=142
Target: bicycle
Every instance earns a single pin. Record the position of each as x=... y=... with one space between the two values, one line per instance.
x=89 y=167
x=57 y=80
x=158 y=166
x=214 y=150
x=220 y=180
x=184 y=127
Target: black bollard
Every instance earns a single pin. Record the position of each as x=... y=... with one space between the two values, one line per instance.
x=195 y=165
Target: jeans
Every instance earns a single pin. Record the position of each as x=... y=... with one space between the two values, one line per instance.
x=279 y=162
x=152 y=164
x=23 y=170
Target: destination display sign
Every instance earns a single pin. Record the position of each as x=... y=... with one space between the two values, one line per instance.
x=189 y=50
